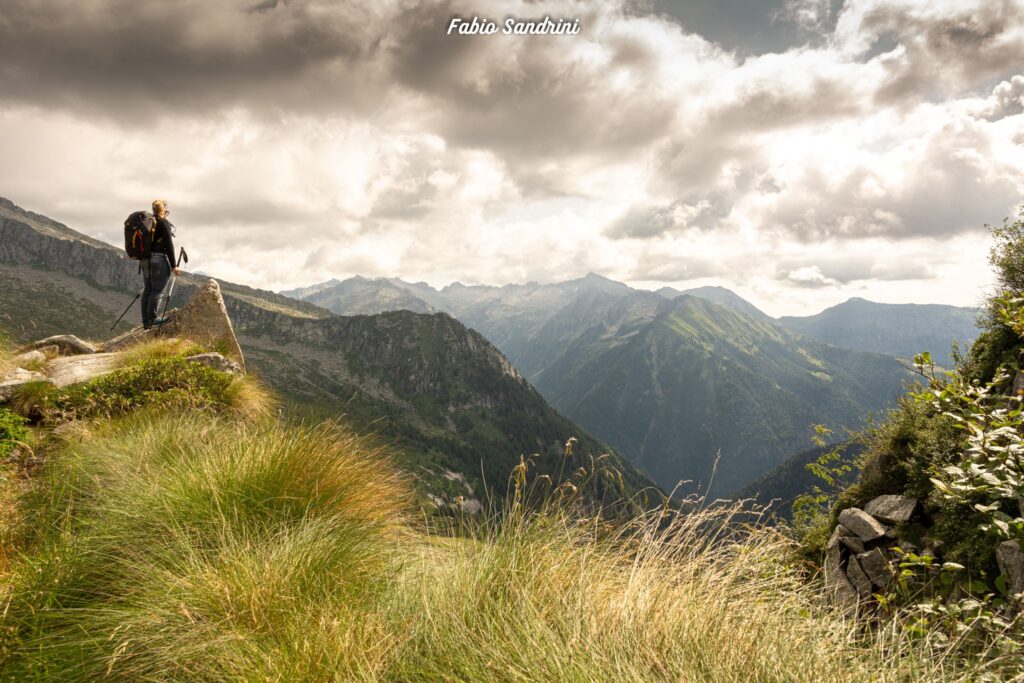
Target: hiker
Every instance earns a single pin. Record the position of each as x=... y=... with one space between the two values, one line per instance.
x=157 y=269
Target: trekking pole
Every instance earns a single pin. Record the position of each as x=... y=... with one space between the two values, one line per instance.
x=174 y=278
x=125 y=311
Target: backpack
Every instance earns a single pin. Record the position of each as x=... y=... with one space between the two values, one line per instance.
x=138 y=235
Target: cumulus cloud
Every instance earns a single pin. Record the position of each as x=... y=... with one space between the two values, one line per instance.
x=809 y=276
x=311 y=139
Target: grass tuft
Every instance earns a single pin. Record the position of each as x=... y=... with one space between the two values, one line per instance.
x=158 y=349
x=203 y=549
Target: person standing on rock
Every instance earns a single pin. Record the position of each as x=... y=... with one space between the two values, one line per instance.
x=157 y=269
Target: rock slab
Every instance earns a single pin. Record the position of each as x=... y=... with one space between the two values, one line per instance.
x=68 y=370
x=891 y=509
x=866 y=527
x=67 y=344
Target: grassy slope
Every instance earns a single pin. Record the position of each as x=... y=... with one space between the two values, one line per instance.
x=206 y=545
x=273 y=553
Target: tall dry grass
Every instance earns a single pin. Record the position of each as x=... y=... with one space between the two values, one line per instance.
x=203 y=548
x=552 y=598
x=154 y=349
x=6 y=355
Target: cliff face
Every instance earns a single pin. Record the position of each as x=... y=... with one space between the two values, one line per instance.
x=439 y=391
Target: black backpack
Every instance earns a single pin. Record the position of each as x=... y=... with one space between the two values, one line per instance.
x=138 y=235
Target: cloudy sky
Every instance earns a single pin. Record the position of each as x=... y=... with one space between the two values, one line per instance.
x=799 y=152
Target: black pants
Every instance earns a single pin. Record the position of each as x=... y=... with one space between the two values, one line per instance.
x=156 y=273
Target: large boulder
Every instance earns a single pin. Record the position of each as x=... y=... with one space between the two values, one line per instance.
x=891 y=509
x=203 y=319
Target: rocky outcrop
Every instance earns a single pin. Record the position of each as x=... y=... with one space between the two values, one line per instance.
x=861 y=555
x=866 y=546
x=203 y=319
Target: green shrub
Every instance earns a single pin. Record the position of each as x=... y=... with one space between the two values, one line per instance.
x=12 y=431
x=168 y=382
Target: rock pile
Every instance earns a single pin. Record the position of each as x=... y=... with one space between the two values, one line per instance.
x=860 y=557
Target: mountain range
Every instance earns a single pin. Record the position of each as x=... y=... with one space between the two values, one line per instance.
x=453 y=409
x=697 y=384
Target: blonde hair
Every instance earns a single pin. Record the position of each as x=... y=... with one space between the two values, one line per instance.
x=159 y=207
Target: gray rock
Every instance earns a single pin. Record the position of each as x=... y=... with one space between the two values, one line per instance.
x=216 y=361
x=862 y=524
x=29 y=357
x=858 y=577
x=876 y=567
x=23 y=375
x=67 y=344
x=10 y=385
x=839 y=586
x=853 y=543
x=68 y=370
x=891 y=509
x=837 y=534
x=1011 y=565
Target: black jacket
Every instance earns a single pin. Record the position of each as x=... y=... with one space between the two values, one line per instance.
x=163 y=239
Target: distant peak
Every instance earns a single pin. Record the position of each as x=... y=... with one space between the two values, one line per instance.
x=594 y=277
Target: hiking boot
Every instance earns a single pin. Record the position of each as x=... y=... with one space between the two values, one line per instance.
x=160 y=321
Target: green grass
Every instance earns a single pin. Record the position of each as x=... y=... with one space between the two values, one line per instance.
x=184 y=538
x=201 y=547
x=198 y=549
x=156 y=378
